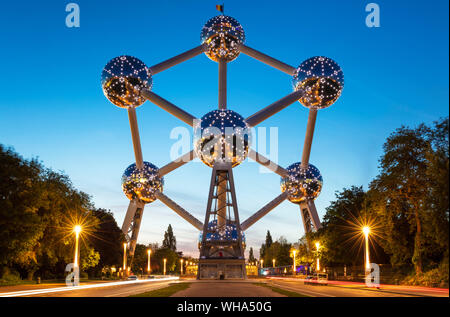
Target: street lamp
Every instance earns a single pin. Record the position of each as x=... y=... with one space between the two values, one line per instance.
x=273 y=263
x=165 y=260
x=149 y=251
x=366 y=231
x=262 y=261
x=181 y=269
x=77 y=230
x=295 y=268
x=124 y=256
x=318 y=263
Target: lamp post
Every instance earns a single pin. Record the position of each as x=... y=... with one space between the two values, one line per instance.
x=318 y=263
x=124 y=259
x=76 y=269
x=273 y=263
x=149 y=251
x=261 y=261
x=366 y=231
x=181 y=268
x=295 y=268
x=165 y=260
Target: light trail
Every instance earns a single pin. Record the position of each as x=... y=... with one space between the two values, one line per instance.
x=72 y=288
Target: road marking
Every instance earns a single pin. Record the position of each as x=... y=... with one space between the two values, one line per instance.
x=81 y=287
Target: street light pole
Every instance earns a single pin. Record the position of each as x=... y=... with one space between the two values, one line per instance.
x=273 y=262
x=165 y=260
x=124 y=258
x=366 y=231
x=149 y=251
x=295 y=268
x=318 y=263
x=181 y=268
x=76 y=269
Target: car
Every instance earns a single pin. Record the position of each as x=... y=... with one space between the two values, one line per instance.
x=132 y=278
x=316 y=278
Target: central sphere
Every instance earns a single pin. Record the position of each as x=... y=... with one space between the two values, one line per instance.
x=302 y=184
x=142 y=183
x=220 y=38
x=122 y=79
x=322 y=79
x=222 y=136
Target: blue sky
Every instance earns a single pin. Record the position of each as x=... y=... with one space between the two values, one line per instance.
x=52 y=105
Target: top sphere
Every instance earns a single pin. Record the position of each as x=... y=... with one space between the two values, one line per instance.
x=322 y=79
x=222 y=136
x=302 y=184
x=220 y=38
x=122 y=79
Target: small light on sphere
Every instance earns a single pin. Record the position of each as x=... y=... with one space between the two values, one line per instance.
x=122 y=79
x=322 y=80
x=221 y=37
x=142 y=183
x=302 y=184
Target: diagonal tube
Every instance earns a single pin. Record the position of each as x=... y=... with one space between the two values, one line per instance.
x=266 y=59
x=179 y=210
x=263 y=211
x=176 y=60
x=135 y=137
x=169 y=107
x=166 y=169
x=275 y=107
x=267 y=163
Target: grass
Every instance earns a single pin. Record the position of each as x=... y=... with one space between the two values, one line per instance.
x=281 y=291
x=164 y=292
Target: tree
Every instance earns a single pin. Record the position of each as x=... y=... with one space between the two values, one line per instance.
x=251 y=257
x=268 y=239
x=169 y=241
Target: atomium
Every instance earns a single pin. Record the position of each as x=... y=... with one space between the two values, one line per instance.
x=222 y=136
x=322 y=80
x=302 y=184
x=142 y=183
x=122 y=79
x=220 y=38
x=227 y=234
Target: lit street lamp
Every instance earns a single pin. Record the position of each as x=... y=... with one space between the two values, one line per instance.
x=165 y=260
x=181 y=268
x=318 y=263
x=76 y=269
x=124 y=258
x=295 y=269
x=262 y=261
x=149 y=251
x=366 y=231
x=273 y=262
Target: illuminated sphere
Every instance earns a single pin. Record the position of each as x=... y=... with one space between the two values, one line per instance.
x=142 y=183
x=122 y=78
x=222 y=136
x=322 y=79
x=302 y=184
x=220 y=38
x=230 y=234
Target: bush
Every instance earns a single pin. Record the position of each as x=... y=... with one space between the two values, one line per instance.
x=10 y=277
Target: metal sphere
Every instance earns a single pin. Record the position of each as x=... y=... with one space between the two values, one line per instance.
x=226 y=235
x=302 y=184
x=222 y=136
x=142 y=183
x=122 y=79
x=220 y=38
x=322 y=79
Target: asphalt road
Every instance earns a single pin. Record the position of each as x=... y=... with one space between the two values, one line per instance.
x=118 y=289
x=336 y=290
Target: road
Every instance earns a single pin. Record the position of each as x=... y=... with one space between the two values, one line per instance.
x=342 y=289
x=112 y=289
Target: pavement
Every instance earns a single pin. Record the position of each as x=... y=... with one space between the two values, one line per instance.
x=227 y=288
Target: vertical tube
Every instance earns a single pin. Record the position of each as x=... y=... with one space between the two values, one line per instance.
x=309 y=137
x=135 y=137
x=221 y=199
x=222 y=84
